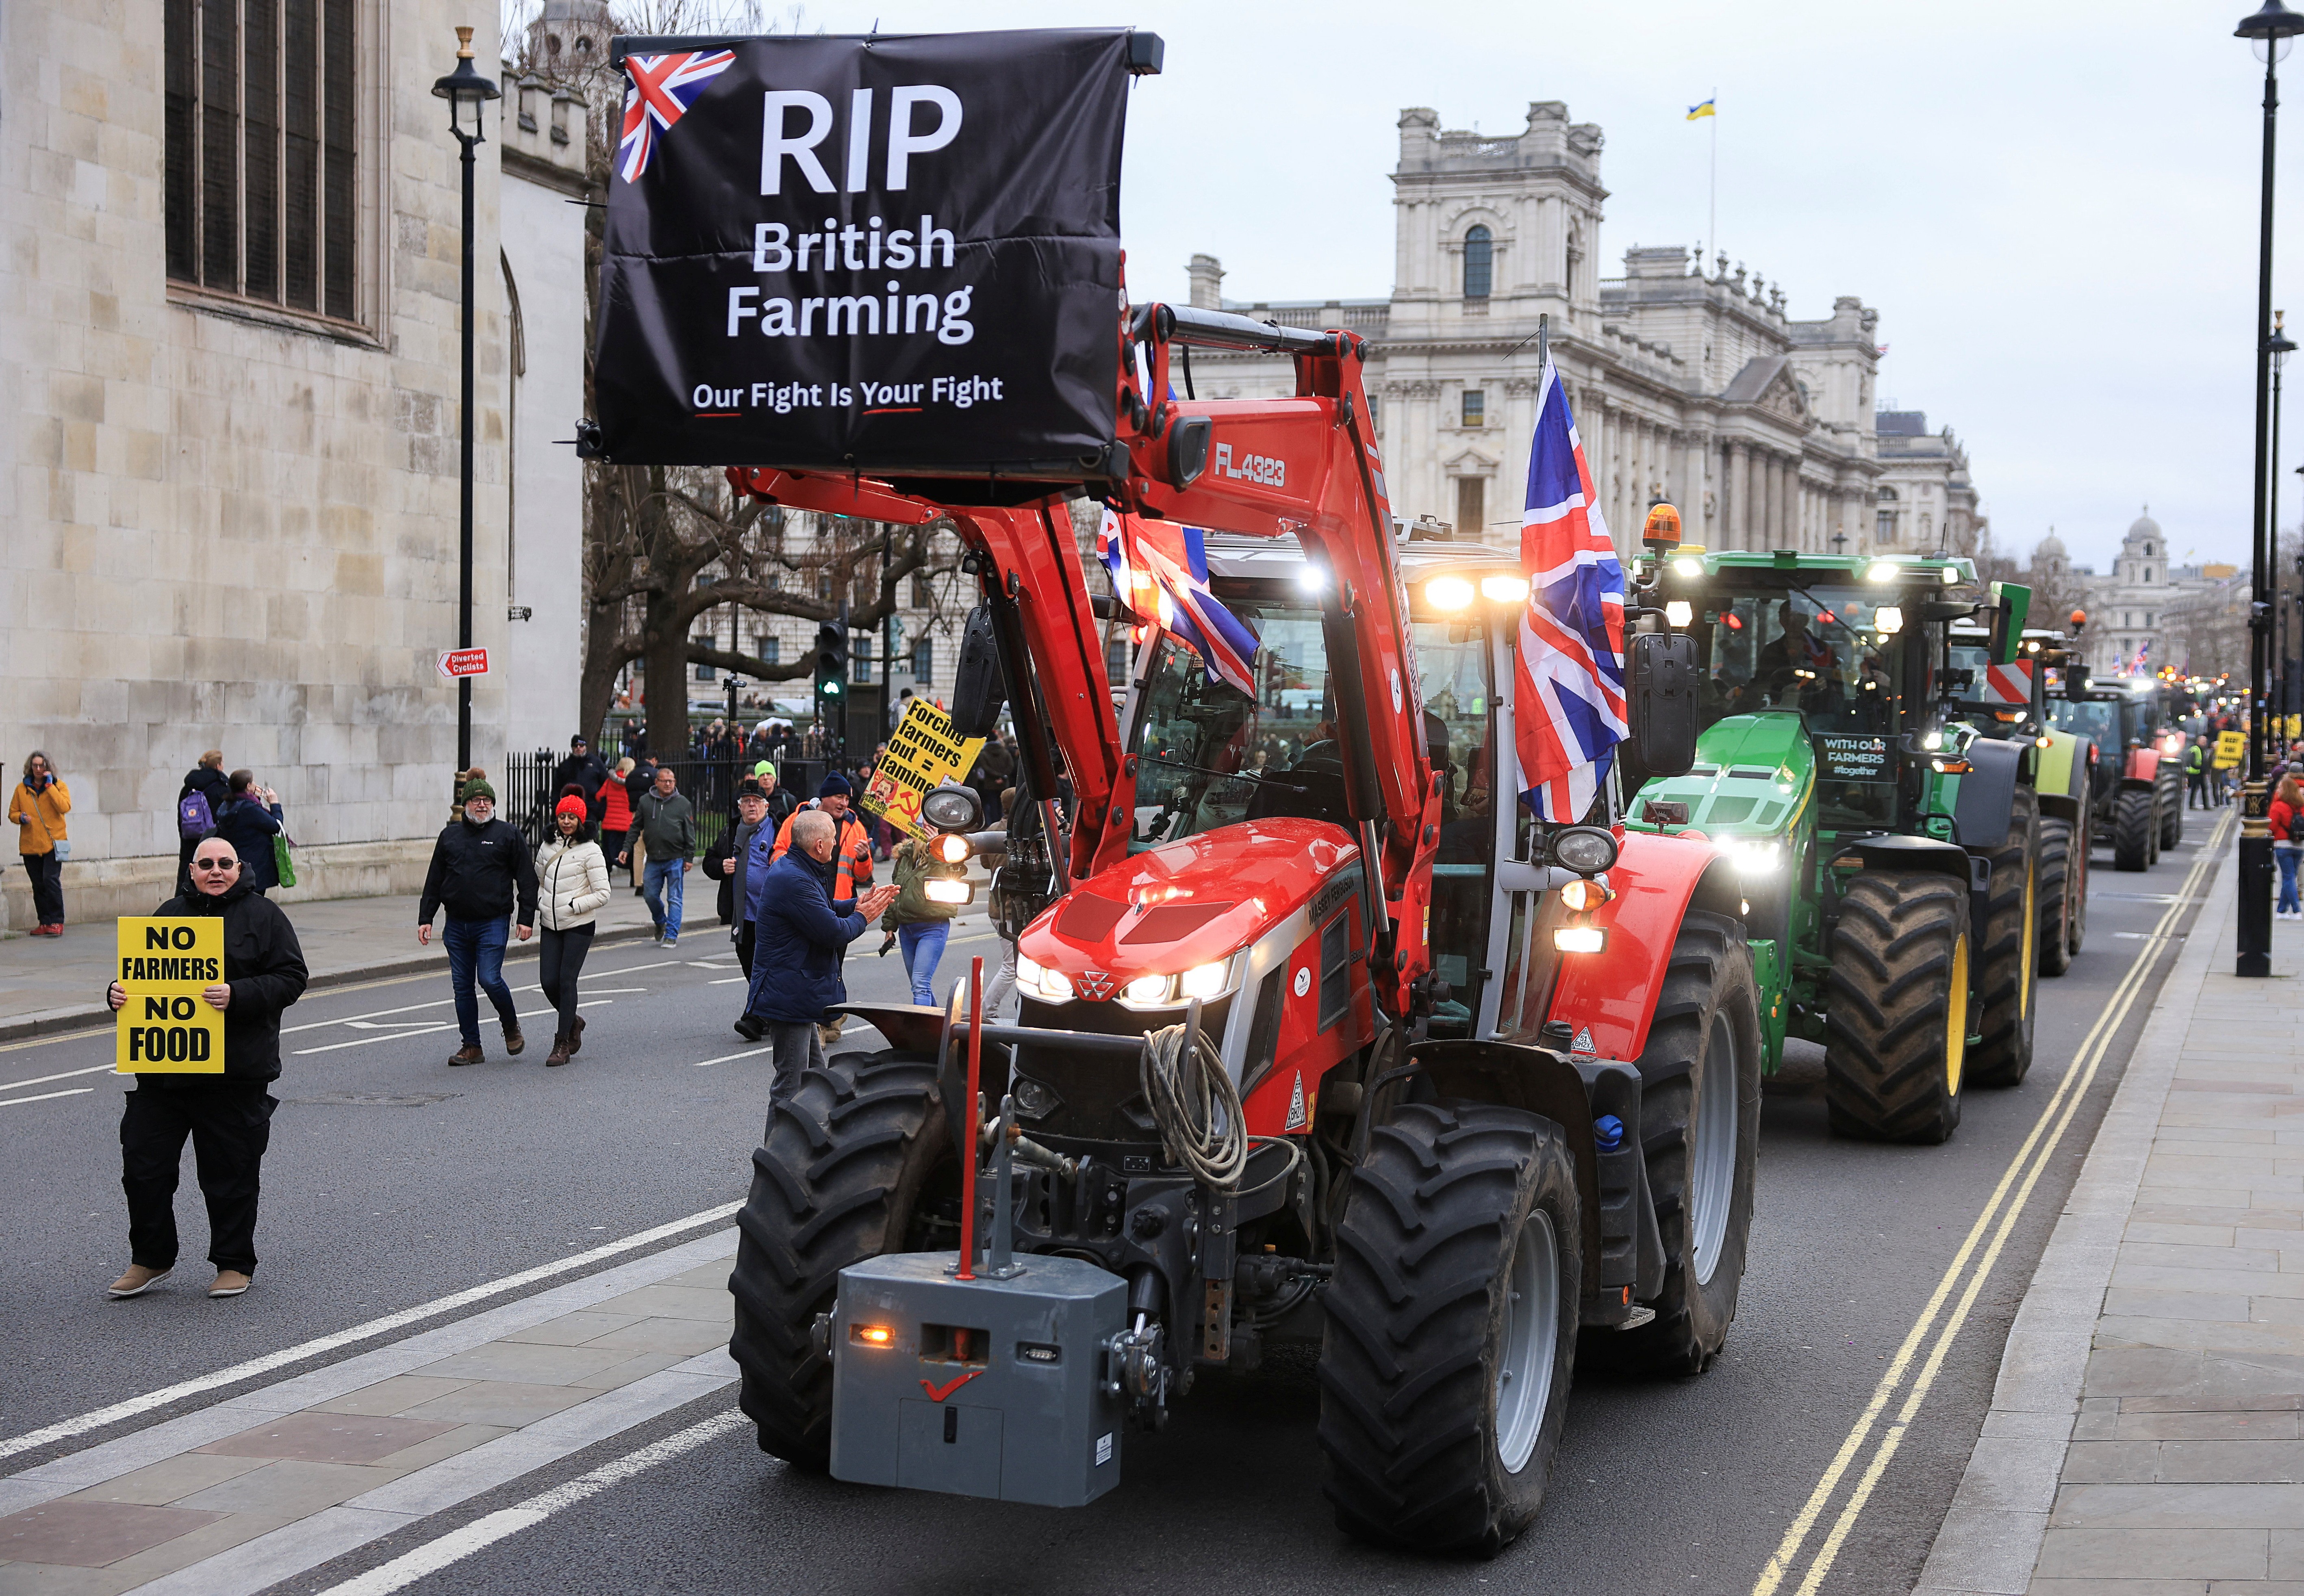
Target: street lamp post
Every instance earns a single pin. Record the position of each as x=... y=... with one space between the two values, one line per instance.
x=2268 y=31
x=466 y=91
x=2274 y=644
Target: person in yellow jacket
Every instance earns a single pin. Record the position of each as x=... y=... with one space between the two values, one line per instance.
x=851 y=851
x=39 y=808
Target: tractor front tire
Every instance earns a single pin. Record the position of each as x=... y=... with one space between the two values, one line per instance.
x=2007 y=965
x=2132 y=821
x=1451 y=1339
x=2170 y=791
x=1895 y=1043
x=1700 y=1138
x=2058 y=932
x=854 y=1166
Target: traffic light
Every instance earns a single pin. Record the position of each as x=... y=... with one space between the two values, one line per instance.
x=830 y=661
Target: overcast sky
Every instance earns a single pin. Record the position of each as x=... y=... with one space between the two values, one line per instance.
x=2057 y=227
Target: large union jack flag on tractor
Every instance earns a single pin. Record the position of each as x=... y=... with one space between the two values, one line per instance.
x=661 y=90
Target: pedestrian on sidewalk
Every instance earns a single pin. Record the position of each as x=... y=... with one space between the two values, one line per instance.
x=39 y=808
x=572 y=887
x=803 y=930
x=2287 y=817
x=614 y=808
x=921 y=926
x=728 y=860
x=851 y=849
x=639 y=779
x=781 y=802
x=2196 y=775
x=203 y=793
x=228 y=1117
x=248 y=820
x=482 y=874
x=585 y=771
x=663 y=824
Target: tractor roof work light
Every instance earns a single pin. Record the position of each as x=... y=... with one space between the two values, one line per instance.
x=1883 y=571
x=1505 y=589
x=1448 y=594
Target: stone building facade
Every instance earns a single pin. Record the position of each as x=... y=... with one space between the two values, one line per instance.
x=230 y=313
x=2150 y=612
x=1688 y=381
x=1925 y=500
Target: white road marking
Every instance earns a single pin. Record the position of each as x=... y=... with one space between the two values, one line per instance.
x=377 y=1013
x=65 y=1075
x=64 y=1429
x=730 y=1058
x=728 y=981
x=454 y=1546
x=707 y=964
x=43 y=1096
x=636 y=969
x=435 y=1029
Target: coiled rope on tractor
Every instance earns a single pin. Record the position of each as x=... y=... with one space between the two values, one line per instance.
x=1196 y=1105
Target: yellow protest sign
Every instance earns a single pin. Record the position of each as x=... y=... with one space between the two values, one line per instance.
x=922 y=756
x=2295 y=727
x=2231 y=748
x=167 y=1027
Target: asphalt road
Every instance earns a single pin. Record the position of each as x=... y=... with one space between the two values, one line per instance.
x=394 y=1180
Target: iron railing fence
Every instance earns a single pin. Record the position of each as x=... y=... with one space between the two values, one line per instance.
x=526 y=794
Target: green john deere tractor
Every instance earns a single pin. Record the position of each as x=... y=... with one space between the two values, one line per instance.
x=1889 y=842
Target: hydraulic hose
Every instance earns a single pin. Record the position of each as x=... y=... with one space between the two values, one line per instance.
x=1197 y=1107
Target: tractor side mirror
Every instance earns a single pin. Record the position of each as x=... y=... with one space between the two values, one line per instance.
x=1661 y=680
x=979 y=686
x=1935 y=610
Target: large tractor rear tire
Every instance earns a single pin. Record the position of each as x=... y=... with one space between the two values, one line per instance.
x=857 y=1164
x=2063 y=877
x=2007 y=962
x=1896 y=1033
x=1451 y=1339
x=2170 y=791
x=2134 y=846
x=1701 y=1136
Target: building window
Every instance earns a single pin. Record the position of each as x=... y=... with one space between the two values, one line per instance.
x=1884 y=528
x=1479 y=263
x=1116 y=655
x=1476 y=408
x=1472 y=505
x=824 y=584
x=703 y=671
x=260 y=167
x=923 y=659
x=771 y=649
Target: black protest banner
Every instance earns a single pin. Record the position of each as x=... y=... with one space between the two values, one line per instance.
x=864 y=252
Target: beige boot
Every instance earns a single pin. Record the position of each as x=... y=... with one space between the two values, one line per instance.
x=228 y=1283
x=137 y=1281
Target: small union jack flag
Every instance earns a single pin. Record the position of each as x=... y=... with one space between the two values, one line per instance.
x=662 y=89
x=1172 y=561
x=1570 y=673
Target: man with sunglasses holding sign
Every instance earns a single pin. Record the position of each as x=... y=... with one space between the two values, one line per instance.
x=227 y=1113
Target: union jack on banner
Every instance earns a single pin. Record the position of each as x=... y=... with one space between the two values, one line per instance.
x=1173 y=562
x=1568 y=677
x=662 y=89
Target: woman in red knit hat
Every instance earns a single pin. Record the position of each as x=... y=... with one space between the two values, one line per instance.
x=571 y=881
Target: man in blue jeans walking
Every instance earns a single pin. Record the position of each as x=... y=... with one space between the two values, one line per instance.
x=666 y=821
x=480 y=872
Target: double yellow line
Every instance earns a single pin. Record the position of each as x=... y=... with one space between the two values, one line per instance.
x=1999 y=1218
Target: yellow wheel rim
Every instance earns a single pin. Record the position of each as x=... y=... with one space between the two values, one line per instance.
x=1956 y=1019
x=2031 y=925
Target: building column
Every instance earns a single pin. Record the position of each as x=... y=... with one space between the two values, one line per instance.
x=1737 y=521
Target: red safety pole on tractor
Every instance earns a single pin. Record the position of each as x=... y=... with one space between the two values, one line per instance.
x=967 y=1118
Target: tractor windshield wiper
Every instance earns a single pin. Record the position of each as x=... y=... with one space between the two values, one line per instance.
x=1258 y=777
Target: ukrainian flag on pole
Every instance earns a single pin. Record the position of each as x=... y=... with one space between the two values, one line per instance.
x=1703 y=110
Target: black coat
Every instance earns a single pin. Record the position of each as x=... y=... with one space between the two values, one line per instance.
x=264 y=966
x=477 y=873
x=249 y=827
x=586 y=770
x=213 y=784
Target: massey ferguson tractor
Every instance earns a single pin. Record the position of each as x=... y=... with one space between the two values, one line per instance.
x=1323 y=1038
x=1885 y=826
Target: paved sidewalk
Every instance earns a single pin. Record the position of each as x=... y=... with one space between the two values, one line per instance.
x=54 y=984
x=2144 y=1435
x=228 y=1500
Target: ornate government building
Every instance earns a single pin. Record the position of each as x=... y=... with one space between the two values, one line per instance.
x=1688 y=381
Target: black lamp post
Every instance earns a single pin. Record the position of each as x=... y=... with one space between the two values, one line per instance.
x=2268 y=32
x=466 y=92
x=2275 y=645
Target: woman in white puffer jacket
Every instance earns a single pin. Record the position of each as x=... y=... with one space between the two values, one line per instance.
x=571 y=881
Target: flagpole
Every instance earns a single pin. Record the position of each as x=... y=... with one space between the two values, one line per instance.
x=1712 y=212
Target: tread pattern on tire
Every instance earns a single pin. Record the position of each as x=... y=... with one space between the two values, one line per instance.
x=2055 y=933
x=2170 y=791
x=1710 y=972
x=1407 y=1405
x=845 y=1157
x=1892 y=965
x=2133 y=844
x=2003 y=975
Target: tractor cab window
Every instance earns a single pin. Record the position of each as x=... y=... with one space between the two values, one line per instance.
x=2097 y=720
x=1455 y=667
x=1816 y=649
x=1209 y=754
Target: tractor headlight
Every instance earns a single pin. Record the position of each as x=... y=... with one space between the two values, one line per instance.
x=1587 y=850
x=1678 y=612
x=943 y=890
x=1448 y=593
x=1579 y=938
x=1883 y=571
x=1759 y=856
x=1050 y=986
x=1206 y=981
x=1504 y=589
x=1888 y=620
x=1148 y=991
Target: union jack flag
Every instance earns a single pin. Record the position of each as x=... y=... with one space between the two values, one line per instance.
x=1569 y=677
x=1172 y=563
x=662 y=89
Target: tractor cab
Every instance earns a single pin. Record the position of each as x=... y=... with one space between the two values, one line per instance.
x=2136 y=781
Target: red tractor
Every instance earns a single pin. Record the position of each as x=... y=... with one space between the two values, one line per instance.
x=1322 y=1036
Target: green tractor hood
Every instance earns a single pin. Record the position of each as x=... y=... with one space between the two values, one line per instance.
x=1753 y=775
